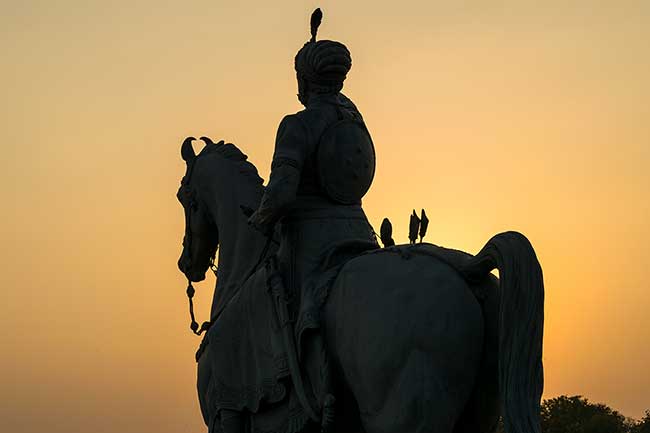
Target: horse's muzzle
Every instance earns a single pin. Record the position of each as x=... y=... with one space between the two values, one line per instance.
x=191 y=274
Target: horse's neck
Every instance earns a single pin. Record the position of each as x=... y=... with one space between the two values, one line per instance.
x=240 y=246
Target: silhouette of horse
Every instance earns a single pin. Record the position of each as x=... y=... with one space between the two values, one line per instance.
x=423 y=339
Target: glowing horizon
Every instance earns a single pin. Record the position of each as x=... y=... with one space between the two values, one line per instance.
x=491 y=118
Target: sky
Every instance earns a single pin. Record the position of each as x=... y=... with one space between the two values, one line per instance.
x=493 y=116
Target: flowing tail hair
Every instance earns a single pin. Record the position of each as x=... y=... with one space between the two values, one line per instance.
x=521 y=323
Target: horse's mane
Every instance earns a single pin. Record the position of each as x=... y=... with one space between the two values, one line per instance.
x=230 y=152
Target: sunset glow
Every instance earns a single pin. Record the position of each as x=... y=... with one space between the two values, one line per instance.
x=492 y=116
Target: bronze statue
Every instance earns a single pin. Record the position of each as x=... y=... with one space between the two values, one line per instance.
x=313 y=326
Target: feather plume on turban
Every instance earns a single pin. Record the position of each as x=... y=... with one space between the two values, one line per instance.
x=325 y=63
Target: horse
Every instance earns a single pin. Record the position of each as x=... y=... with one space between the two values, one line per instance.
x=423 y=339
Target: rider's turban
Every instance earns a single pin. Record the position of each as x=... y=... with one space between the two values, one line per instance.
x=323 y=62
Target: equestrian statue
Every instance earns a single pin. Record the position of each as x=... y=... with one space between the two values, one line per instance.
x=315 y=327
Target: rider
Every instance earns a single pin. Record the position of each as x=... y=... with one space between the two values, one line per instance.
x=322 y=166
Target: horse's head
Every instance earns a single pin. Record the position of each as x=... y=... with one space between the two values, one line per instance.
x=201 y=233
x=219 y=182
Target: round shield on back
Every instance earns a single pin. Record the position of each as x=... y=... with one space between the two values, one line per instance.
x=346 y=161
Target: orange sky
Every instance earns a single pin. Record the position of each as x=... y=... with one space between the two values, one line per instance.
x=491 y=115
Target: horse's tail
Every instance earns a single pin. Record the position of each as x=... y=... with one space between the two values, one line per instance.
x=521 y=320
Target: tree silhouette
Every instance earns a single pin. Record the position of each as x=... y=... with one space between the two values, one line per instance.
x=576 y=414
x=643 y=426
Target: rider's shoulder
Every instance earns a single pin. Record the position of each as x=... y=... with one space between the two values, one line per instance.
x=293 y=122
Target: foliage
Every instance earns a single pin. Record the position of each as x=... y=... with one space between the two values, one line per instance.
x=576 y=414
x=642 y=426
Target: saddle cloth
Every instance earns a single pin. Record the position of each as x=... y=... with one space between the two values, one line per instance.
x=244 y=348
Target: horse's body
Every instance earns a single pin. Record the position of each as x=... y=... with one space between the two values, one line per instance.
x=408 y=335
x=423 y=339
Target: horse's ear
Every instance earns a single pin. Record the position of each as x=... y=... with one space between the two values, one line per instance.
x=187 y=151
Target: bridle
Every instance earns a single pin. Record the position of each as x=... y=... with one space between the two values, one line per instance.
x=191 y=204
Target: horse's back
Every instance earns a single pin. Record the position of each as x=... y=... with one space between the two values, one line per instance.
x=407 y=333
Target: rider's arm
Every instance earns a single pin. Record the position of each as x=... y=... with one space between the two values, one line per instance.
x=288 y=159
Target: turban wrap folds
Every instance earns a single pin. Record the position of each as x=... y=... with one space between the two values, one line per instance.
x=325 y=63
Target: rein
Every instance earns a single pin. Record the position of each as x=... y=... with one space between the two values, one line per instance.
x=190 y=291
x=265 y=250
x=194 y=326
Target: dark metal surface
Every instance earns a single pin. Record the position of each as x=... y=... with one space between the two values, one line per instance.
x=346 y=161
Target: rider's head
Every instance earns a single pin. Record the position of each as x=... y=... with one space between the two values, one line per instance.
x=321 y=66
